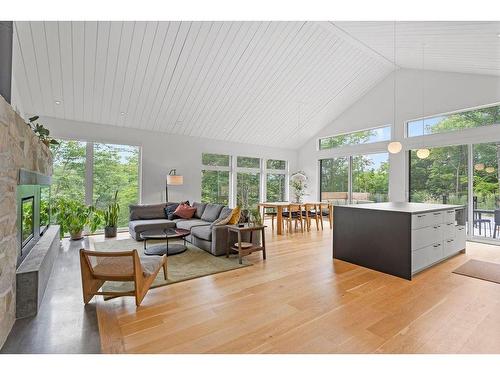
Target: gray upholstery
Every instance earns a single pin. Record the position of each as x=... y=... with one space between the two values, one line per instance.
x=190 y=223
x=225 y=212
x=147 y=211
x=204 y=232
x=211 y=212
x=153 y=224
x=212 y=238
x=200 y=207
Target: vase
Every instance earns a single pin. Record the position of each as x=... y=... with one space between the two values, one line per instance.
x=110 y=232
x=75 y=236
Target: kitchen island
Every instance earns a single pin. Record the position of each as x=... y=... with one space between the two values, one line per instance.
x=398 y=238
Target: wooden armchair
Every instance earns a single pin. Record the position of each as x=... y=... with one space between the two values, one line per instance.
x=98 y=267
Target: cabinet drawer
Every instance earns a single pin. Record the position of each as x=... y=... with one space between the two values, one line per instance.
x=426 y=256
x=427 y=219
x=426 y=236
x=449 y=231
x=449 y=216
x=449 y=247
x=459 y=237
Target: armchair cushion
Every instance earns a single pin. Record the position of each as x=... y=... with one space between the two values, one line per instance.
x=200 y=207
x=147 y=211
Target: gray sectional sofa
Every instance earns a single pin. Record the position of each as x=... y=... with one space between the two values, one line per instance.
x=212 y=238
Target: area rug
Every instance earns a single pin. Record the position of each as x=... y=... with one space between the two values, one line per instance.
x=191 y=264
x=480 y=270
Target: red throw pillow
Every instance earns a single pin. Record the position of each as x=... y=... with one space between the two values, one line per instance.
x=185 y=211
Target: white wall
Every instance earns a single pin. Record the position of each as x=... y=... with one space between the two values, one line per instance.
x=161 y=152
x=418 y=93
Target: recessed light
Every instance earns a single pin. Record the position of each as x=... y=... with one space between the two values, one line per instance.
x=122 y=113
x=498 y=35
x=58 y=102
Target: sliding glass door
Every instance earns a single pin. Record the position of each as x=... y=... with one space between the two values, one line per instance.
x=486 y=188
x=355 y=179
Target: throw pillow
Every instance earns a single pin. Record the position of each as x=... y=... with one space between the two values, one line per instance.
x=170 y=209
x=235 y=216
x=221 y=221
x=185 y=211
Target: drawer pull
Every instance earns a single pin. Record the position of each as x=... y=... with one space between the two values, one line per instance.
x=437 y=245
x=437 y=227
x=436 y=213
x=449 y=241
x=420 y=215
x=450 y=212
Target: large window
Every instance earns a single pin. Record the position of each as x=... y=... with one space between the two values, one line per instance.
x=68 y=177
x=355 y=179
x=215 y=178
x=242 y=180
x=441 y=177
x=455 y=121
x=356 y=138
x=334 y=177
x=370 y=178
x=92 y=172
x=116 y=169
x=276 y=180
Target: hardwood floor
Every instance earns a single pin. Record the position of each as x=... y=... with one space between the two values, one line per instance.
x=301 y=301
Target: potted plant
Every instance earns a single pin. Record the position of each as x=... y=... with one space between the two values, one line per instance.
x=73 y=216
x=111 y=218
x=41 y=131
x=255 y=216
x=298 y=182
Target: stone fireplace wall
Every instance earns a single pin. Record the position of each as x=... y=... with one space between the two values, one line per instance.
x=19 y=148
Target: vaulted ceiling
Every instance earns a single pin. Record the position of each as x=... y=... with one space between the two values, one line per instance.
x=252 y=82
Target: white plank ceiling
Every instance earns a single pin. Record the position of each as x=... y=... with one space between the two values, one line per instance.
x=252 y=82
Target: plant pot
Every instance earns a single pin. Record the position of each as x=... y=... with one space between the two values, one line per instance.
x=76 y=235
x=109 y=232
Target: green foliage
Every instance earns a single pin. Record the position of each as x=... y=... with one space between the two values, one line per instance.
x=73 y=216
x=255 y=216
x=275 y=187
x=215 y=187
x=41 y=131
x=248 y=186
x=215 y=160
x=111 y=213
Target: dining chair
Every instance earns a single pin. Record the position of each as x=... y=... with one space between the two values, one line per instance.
x=497 y=222
x=270 y=212
x=293 y=213
x=97 y=267
x=310 y=212
x=327 y=211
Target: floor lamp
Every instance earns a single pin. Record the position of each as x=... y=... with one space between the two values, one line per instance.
x=172 y=179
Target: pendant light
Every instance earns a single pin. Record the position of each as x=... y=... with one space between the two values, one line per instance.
x=394 y=147
x=479 y=167
x=423 y=153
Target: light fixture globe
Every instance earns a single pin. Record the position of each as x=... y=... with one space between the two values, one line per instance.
x=490 y=169
x=423 y=153
x=479 y=167
x=394 y=147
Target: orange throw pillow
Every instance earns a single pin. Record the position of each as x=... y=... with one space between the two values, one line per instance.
x=185 y=211
x=235 y=216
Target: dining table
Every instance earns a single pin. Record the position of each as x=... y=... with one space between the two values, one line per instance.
x=278 y=206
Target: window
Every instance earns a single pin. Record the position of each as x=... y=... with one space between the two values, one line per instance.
x=276 y=180
x=68 y=177
x=215 y=187
x=215 y=178
x=112 y=168
x=370 y=178
x=441 y=177
x=246 y=162
x=356 y=138
x=116 y=169
x=242 y=180
x=248 y=189
x=355 y=179
x=455 y=121
x=334 y=180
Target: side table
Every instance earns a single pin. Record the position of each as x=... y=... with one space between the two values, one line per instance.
x=247 y=248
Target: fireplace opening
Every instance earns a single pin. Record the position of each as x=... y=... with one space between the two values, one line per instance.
x=44 y=208
x=27 y=220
